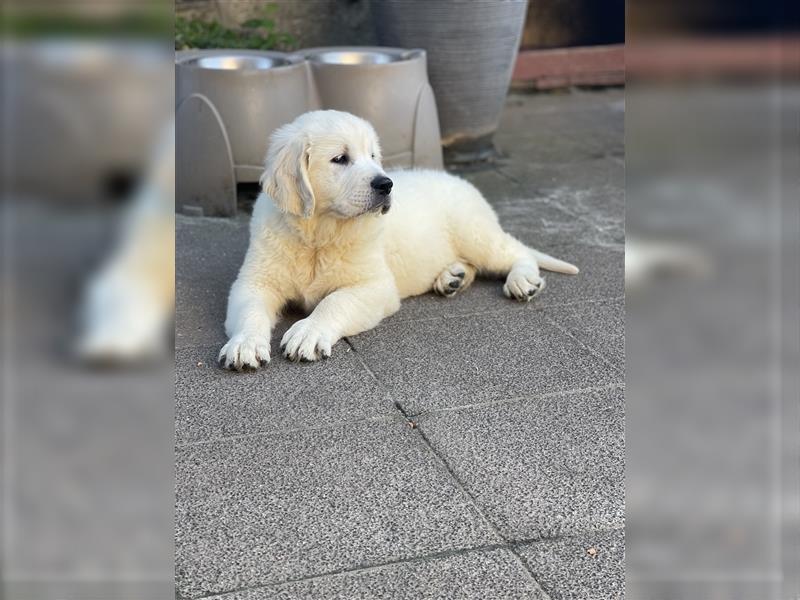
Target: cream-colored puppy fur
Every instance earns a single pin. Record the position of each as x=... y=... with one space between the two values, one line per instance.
x=130 y=301
x=326 y=236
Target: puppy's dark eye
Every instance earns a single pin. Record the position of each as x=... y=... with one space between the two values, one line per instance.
x=373 y=157
x=342 y=159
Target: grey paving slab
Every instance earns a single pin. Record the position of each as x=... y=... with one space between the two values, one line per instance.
x=494 y=184
x=564 y=128
x=211 y=402
x=263 y=510
x=602 y=275
x=200 y=306
x=539 y=469
x=206 y=246
x=464 y=360
x=476 y=575
x=208 y=254
x=600 y=180
x=566 y=216
x=586 y=567
x=599 y=325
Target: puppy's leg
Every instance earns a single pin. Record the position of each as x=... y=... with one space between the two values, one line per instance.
x=498 y=253
x=347 y=311
x=480 y=240
x=455 y=278
x=252 y=312
x=524 y=282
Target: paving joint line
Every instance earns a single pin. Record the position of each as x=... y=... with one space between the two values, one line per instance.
x=510 y=546
x=386 y=418
x=543 y=306
x=499 y=170
x=401 y=413
x=533 y=398
x=462 y=488
x=589 y=348
x=399 y=319
x=554 y=538
x=361 y=360
x=358 y=568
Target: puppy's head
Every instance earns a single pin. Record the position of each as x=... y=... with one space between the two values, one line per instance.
x=326 y=162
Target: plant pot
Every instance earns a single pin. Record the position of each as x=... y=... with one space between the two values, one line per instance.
x=471 y=49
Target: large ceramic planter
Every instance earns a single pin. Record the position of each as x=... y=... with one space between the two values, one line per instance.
x=471 y=48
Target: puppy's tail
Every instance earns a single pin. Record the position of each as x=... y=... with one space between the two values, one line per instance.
x=550 y=263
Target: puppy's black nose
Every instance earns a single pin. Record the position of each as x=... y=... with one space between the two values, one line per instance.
x=382 y=185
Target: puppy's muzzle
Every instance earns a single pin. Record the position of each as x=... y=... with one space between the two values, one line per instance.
x=382 y=186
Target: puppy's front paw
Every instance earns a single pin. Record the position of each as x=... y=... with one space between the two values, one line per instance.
x=245 y=352
x=307 y=340
x=523 y=284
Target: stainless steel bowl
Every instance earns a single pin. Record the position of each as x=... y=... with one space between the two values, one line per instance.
x=364 y=55
x=237 y=62
x=333 y=57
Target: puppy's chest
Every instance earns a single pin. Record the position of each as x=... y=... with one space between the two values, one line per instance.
x=319 y=273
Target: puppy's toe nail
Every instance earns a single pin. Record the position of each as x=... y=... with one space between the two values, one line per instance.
x=263 y=362
x=460 y=275
x=454 y=284
x=532 y=291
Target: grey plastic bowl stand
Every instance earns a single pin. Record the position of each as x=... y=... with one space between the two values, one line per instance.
x=389 y=88
x=228 y=102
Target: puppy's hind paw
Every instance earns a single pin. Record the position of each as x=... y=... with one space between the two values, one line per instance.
x=245 y=352
x=453 y=279
x=523 y=286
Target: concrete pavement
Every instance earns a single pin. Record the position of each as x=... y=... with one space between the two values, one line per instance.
x=469 y=447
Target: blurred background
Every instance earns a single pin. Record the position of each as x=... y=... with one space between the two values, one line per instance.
x=712 y=299
x=87 y=186
x=712 y=228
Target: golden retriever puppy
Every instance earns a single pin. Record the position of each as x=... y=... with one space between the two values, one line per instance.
x=335 y=234
x=129 y=303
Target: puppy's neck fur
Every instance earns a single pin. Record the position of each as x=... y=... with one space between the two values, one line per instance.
x=326 y=230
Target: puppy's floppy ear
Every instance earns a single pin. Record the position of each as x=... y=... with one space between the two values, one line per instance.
x=285 y=178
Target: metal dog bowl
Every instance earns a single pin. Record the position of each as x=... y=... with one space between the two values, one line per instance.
x=228 y=102
x=234 y=62
x=389 y=88
x=365 y=56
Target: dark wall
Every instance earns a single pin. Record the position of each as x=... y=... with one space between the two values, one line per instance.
x=565 y=23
